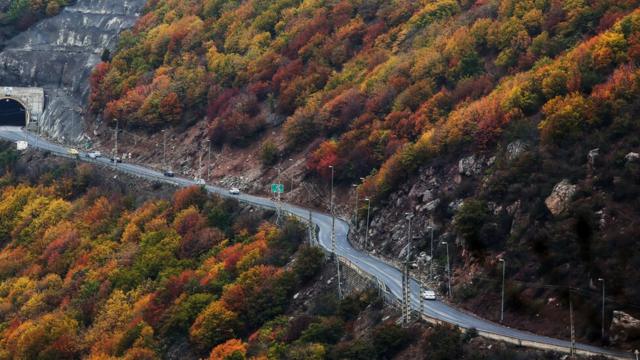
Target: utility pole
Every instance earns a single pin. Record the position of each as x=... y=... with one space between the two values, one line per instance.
x=164 y=149
x=603 y=304
x=355 y=209
x=573 y=333
x=115 y=149
x=420 y=288
x=504 y=265
x=199 y=167
x=406 y=279
x=431 y=229
x=333 y=234
x=311 y=235
x=448 y=266
x=366 y=232
x=209 y=160
x=278 y=205
x=291 y=178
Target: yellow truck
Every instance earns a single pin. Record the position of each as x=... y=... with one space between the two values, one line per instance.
x=73 y=152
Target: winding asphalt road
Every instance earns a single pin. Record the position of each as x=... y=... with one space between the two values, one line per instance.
x=385 y=273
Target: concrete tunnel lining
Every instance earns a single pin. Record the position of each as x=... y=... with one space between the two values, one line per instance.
x=13 y=112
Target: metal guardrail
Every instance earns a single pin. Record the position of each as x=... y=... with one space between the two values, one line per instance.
x=394 y=301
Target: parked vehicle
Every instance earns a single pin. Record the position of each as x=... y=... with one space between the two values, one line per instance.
x=169 y=173
x=94 y=154
x=200 y=181
x=116 y=159
x=73 y=152
x=234 y=191
x=428 y=295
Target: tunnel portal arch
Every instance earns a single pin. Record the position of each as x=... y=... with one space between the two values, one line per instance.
x=13 y=112
x=20 y=106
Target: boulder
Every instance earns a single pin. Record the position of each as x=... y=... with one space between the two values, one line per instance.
x=632 y=156
x=455 y=205
x=469 y=166
x=515 y=149
x=624 y=328
x=593 y=156
x=560 y=197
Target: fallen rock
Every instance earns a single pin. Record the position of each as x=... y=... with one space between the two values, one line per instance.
x=469 y=166
x=593 y=156
x=455 y=205
x=632 y=156
x=560 y=197
x=515 y=149
x=624 y=328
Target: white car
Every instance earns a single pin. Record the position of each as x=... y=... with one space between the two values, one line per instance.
x=428 y=295
x=94 y=154
x=234 y=191
x=200 y=181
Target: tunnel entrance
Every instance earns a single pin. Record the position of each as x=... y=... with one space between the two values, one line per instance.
x=12 y=113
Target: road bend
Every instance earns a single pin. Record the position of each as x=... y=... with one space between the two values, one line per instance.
x=385 y=273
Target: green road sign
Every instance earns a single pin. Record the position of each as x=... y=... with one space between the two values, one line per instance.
x=277 y=188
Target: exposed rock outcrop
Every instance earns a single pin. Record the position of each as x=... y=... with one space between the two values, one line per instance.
x=593 y=156
x=624 y=328
x=515 y=149
x=470 y=165
x=59 y=54
x=560 y=197
x=632 y=157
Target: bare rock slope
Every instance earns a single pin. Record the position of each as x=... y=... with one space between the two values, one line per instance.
x=59 y=53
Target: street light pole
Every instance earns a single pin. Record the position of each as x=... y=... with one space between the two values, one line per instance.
x=406 y=279
x=603 y=304
x=431 y=228
x=164 y=149
x=209 y=160
x=291 y=178
x=448 y=267
x=355 y=209
x=366 y=234
x=504 y=265
x=115 y=149
x=333 y=235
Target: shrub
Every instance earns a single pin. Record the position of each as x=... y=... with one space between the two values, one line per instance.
x=469 y=221
x=389 y=339
x=445 y=343
x=308 y=263
x=269 y=153
x=328 y=331
x=214 y=325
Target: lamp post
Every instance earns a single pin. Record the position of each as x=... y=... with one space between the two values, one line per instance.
x=291 y=178
x=409 y=218
x=430 y=228
x=448 y=267
x=333 y=236
x=504 y=265
x=406 y=279
x=209 y=160
x=366 y=232
x=164 y=149
x=115 y=149
x=603 y=304
x=355 y=209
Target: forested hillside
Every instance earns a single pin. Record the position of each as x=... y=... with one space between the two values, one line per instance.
x=390 y=84
x=90 y=269
x=17 y=15
x=509 y=127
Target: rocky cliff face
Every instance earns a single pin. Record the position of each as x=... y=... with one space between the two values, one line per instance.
x=59 y=53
